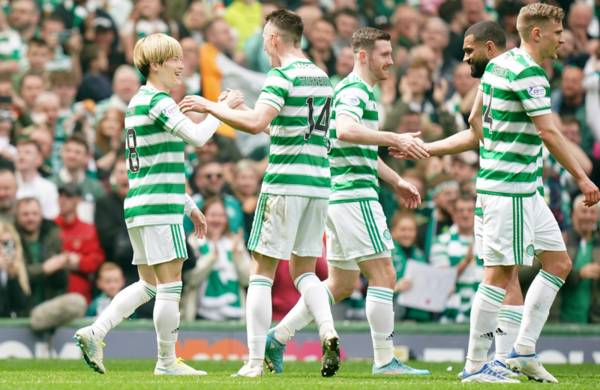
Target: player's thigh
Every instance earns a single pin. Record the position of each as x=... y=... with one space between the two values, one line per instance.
x=548 y=236
x=275 y=225
x=263 y=265
x=356 y=230
x=506 y=230
x=311 y=226
x=478 y=229
x=302 y=264
x=168 y=272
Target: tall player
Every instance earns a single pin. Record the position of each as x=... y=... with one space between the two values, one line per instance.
x=358 y=240
x=482 y=42
x=156 y=133
x=516 y=223
x=290 y=216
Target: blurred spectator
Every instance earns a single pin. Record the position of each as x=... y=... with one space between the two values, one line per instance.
x=321 y=37
x=463 y=98
x=346 y=22
x=583 y=281
x=76 y=155
x=463 y=169
x=570 y=100
x=126 y=83
x=343 y=65
x=109 y=139
x=14 y=283
x=43 y=137
x=10 y=52
x=95 y=85
x=65 y=45
x=254 y=54
x=191 y=66
x=194 y=19
x=213 y=288
x=507 y=15
x=46 y=269
x=474 y=11
x=45 y=115
x=404 y=234
x=8 y=194
x=246 y=184
x=209 y=181
x=454 y=249
x=435 y=35
x=31 y=86
x=444 y=191
x=579 y=19
x=109 y=281
x=24 y=17
x=80 y=242
x=591 y=84
x=406 y=22
x=451 y=12
x=29 y=181
x=146 y=18
x=110 y=222
x=244 y=17
x=64 y=84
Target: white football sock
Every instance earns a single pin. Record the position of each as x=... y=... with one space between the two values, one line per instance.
x=509 y=322
x=166 y=320
x=484 y=317
x=296 y=319
x=258 y=316
x=122 y=306
x=380 y=314
x=316 y=299
x=538 y=301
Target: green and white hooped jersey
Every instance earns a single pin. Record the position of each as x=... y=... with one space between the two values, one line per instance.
x=155 y=160
x=514 y=89
x=10 y=45
x=298 y=163
x=353 y=166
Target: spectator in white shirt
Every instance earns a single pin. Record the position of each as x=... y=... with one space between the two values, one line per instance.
x=29 y=181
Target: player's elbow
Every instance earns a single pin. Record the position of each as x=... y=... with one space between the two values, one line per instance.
x=547 y=133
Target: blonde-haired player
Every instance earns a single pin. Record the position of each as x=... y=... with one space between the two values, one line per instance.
x=515 y=99
x=156 y=132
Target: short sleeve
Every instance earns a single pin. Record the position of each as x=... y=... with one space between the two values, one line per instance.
x=166 y=113
x=352 y=101
x=533 y=91
x=275 y=89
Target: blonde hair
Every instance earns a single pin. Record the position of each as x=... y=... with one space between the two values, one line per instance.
x=6 y=227
x=102 y=140
x=155 y=49
x=533 y=15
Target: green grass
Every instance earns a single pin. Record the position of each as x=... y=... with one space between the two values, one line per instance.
x=137 y=374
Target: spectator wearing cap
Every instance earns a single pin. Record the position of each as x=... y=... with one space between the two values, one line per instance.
x=24 y=17
x=103 y=33
x=29 y=181
x=8 y=194
x=80 y=242
x=110 y=222
x=75 y=154
x=10 y=51
x=95 y=84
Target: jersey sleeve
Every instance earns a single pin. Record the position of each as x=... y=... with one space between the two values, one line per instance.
x=352 y=101
x=275 y=89
x=533 y=90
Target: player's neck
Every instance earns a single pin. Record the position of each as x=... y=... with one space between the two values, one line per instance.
x=365 y=75
x=154 y=82
x=533 y=52
x=291 y=55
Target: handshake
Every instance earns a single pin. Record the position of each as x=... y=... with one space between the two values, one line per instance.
x=408 y=146
x=231 y=98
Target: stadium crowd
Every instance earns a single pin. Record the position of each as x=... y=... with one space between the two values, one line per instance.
x=66 y=79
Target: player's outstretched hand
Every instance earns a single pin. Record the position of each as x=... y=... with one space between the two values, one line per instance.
x=409 y=146
x=199 y=223
x=193 y=103
x=590 y=191
x=408 y=194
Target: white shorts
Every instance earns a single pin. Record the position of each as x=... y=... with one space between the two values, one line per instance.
x=285 y=224
x=512 y=230
x=356 y=231
x=156 y=244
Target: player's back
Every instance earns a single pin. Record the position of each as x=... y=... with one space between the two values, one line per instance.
x=515 y=89
x=298 y=163
x=155 y=162
x=353 y=166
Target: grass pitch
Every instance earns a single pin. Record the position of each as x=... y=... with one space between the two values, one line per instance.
x=137 y=374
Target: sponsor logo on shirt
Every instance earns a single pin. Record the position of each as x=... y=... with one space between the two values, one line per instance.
x=537 y=91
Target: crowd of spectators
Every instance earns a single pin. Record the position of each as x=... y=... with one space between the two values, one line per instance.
x=66 y=79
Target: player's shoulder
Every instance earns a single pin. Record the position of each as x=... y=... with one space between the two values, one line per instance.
x=514 y=64
x=353 y=84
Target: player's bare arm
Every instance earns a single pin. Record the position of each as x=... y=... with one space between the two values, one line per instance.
x=407 y=193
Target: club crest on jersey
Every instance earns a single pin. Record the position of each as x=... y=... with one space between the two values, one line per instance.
x=536 y=91
x=168 y=111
